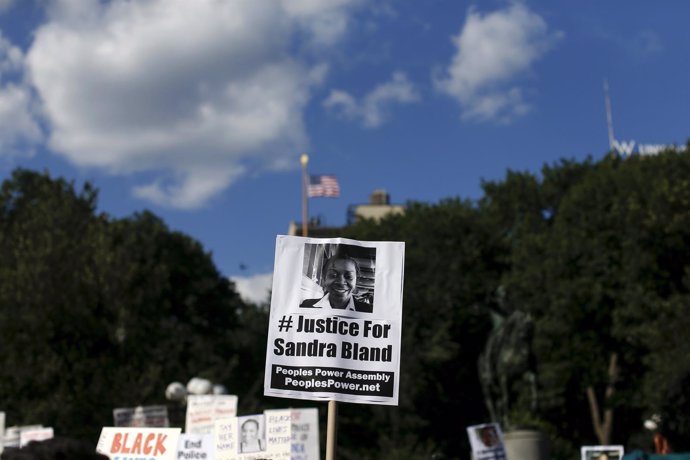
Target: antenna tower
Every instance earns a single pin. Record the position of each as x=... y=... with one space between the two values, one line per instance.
x=609 y=118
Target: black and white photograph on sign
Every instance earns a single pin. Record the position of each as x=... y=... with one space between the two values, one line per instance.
x=602 y=452
x=486 y=441
x=252 y=438
x=488 y=436
x=338 y=276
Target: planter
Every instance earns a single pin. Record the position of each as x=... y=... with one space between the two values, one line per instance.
x=526 y=445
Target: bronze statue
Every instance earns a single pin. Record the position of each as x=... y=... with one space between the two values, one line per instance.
x=507 y=367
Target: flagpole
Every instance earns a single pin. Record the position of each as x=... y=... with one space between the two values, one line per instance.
x=304 y=159
x=332 y=406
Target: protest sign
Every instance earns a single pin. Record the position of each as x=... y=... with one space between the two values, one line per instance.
x=35 y=434
x=203 y=410
x=141 y=416
x=127 y=443
x=224 y=406
x=305 y=434
x=486 y=441
x=254 y=437
x=12 y=435
x=2 y=431
x=336 y=319
x=195 y=447
x=601 y=452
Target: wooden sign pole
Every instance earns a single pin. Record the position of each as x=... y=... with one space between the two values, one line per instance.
x=331 y=430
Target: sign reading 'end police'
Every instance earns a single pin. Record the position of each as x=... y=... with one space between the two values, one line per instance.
x=336 y=319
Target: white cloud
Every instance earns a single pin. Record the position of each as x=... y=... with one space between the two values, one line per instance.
x=6 y=5
x=492 y=51
x=199 y=92
x=324 y=21
x=19 y=131
x=11 y=57
x=373 y=109
x=255 y=288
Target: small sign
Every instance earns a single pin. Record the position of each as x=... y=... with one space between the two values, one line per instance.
x=204 y=410
x=35 y=434
x=13 y=433
x=195 y=447
x=305 y=434
x=487 y=441
x=125 y=443
x=2 y=431
x=141 y=416
x=602 y=452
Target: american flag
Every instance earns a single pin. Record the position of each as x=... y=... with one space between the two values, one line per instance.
x=323 y=186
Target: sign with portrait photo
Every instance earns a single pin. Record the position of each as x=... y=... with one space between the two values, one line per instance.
x=601 y=452
x=254 y=437
x=336 y=320
x=486 y=441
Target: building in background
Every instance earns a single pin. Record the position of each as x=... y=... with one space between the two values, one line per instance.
x=378 y=207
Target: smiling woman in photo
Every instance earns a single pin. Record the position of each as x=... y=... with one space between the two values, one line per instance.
x=340 y=274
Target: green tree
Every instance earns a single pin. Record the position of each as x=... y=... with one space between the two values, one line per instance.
x=98 y=313
x=452 y=266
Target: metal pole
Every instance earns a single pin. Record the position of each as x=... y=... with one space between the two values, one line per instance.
x=304 y=159
x=609 y=116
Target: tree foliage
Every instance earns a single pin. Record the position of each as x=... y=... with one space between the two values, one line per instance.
x=597 y=253
x=98 y=313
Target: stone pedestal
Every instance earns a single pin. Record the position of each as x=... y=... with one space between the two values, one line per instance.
x=526 y=445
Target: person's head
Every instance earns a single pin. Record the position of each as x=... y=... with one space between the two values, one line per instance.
x=54 y=449
x=673 y=429
x=340 y=275
x=250 y=430
x=488 y=436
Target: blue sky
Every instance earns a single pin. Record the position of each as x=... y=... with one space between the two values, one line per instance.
x=199 y=110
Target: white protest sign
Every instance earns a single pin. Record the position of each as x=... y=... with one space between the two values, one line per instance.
x=601 y=452
x=486 y=441
x=336 y=319
x=2 y=431
x=305 y=434
x=195 y=447
x=126 y=443
x=278 y=433
x=141 y=416
x=226 y=438
x=204 y=410
x=35 y=434
x=254 y=437
x=224 y=406
x=13 y=433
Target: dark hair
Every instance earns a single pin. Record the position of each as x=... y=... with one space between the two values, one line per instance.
x=54 y=449
x=331 y=260
x=251 y=420
x=675 y=413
